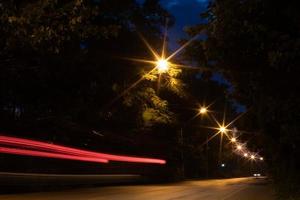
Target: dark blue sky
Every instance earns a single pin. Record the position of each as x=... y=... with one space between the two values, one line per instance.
x=186 y=13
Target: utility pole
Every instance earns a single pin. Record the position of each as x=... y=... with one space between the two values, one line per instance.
x=207 y=157
x=182 y=153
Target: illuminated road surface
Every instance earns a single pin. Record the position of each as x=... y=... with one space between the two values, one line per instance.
x=226 y=189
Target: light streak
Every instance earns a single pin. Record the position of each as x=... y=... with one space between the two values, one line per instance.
x=26 y=152
x=181 y=48
x=73 y=151
x=129 y=88
x=209 y=139
x=154 y=53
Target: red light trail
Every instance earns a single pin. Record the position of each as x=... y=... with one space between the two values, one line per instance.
x=32 y=144
x=26 y=152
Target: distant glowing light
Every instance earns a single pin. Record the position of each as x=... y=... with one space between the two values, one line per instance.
x=223 y=165
x=239 y=147
x=162 y=65
x=261 y=158
x=203 y=110
x=252 y=157
x=233 y=140
x=222 y=129
x=245 y=155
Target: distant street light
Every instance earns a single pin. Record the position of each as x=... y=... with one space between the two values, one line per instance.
x=252 y=157
x=223 y=165
x=233 y=140
x=203 y=110
x=239 y=147
x=245 y=155
x=261 y=158
x=222 y=129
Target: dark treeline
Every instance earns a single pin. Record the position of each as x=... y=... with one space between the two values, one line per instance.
x=62 y=65
x=255 y=44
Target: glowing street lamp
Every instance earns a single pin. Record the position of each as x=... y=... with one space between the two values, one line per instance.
x=233 y=140
x=222 y=129
x=239 y=147
x=162 y=65
x=245 y=155
x=261 y=158
x=203 y=110
x=252 y=157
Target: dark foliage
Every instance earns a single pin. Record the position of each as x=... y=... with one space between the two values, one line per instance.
x=256 y=45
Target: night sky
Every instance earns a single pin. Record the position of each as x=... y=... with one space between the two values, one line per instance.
x=186 y=13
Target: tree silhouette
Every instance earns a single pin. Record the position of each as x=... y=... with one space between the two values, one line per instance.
x=255 y=45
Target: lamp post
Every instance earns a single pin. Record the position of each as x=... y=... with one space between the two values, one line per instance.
x=202 y=111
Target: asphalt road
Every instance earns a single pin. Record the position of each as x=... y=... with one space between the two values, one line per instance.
x=221 y=189
x=32 y=181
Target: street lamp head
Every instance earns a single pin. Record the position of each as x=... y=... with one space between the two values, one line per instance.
x=261 y=158
x=233 y=140
x=252 y=157
x=239 y=147
x=203 y=110
x=245 y=155
x=162 y=65
x=222 y=129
